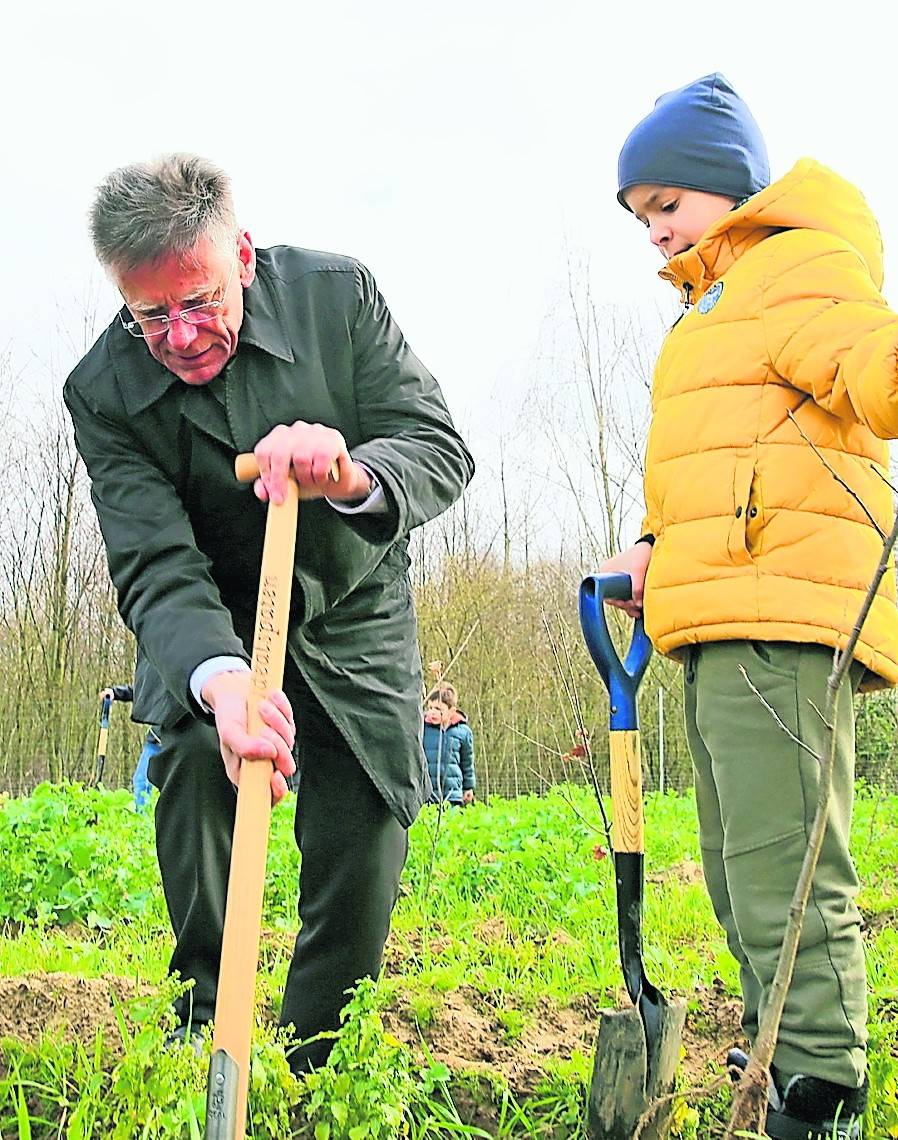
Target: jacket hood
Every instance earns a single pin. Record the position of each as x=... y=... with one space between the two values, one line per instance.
x=455 y=717
x=810 y=197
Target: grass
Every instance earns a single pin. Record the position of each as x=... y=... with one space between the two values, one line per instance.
x=510 y=906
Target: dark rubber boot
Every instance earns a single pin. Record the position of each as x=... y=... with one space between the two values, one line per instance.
x=809 y=1108
x=818 y=1110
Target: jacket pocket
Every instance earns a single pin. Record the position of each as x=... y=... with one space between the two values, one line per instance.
x=737 y=537
x=777 y=657
x=153 y=703
x=754 y=524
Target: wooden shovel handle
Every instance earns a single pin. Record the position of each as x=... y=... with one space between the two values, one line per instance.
x=626 y=791
x=243 y=913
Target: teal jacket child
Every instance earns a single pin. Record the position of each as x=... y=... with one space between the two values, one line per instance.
x=450 y=758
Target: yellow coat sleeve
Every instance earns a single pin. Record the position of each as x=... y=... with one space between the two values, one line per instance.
x=830 y=332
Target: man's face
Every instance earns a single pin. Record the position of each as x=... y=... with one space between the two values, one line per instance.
x=676 y=218
x=194 y=353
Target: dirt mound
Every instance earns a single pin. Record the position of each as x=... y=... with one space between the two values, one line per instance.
x=466 y=1031
x=54 y=1005
x=712 y=1028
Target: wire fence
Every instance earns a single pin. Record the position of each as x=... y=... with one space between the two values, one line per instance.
x=523 y=764
x=666 y=762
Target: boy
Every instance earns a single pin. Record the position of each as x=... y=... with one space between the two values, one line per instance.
x=449 y=747
x=754 y=555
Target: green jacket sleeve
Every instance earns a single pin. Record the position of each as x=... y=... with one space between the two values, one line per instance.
x=411 y=441
x=163 y=581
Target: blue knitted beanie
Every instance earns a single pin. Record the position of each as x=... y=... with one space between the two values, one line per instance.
x=700 y=137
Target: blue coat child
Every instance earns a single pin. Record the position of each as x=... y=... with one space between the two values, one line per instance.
x=449 y=746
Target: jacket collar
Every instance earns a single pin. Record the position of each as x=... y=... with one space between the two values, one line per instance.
x=264 y=324
x=694 y=270
x=143 y=380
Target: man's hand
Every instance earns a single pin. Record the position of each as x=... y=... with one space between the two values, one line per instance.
x=311 y=450
x=635 y=562
x=226 y=694
x=468 y=796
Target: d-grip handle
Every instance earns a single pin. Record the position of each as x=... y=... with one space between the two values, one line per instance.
x=621 y=678
x=246 y=468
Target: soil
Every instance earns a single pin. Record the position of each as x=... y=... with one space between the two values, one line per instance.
x=685 y=873
x=874 y=921
x=465 y=1032
x=54 y=1005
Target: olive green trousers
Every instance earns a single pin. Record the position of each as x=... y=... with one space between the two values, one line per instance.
x=756 y=791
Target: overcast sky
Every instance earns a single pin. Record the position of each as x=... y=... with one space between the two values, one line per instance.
x=462 y=150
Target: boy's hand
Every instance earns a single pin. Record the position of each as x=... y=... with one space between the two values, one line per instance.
x=226 y=694
x=468 y=796
x=635 y=562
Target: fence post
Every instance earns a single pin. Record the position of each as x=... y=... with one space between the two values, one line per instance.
x=661 y=739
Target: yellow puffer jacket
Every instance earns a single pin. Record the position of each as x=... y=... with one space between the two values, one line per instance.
x=771 y=398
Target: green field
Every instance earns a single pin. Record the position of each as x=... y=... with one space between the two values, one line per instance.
x=503 y=949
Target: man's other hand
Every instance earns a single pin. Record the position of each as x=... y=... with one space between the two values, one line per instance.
x=227 y=694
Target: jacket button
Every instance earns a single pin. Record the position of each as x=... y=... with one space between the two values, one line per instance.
x=738 y=512
x=752 y=512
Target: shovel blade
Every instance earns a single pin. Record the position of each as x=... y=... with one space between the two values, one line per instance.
x=650 y=1002
x=624 y=1090
x=221 y=1097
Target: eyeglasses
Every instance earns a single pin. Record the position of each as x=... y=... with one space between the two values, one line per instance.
x=147 y=328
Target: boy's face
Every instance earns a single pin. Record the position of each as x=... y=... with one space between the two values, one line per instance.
x=437 y=713
x=676 y=218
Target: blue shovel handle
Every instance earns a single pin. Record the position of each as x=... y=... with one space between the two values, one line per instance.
x=621 y=678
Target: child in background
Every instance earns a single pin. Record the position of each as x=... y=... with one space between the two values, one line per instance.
x=754 y=556
x=449 y=747
x=140 y=781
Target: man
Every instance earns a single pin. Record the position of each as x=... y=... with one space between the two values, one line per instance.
x=222 y=348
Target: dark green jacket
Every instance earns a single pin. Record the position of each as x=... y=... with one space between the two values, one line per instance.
x=184 y=539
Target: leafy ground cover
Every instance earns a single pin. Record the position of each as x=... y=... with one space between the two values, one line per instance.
x=503 y=950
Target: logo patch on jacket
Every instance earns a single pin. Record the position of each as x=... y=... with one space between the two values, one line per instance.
x=710 y=299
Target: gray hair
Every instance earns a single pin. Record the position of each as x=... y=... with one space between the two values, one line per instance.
x=148 y=210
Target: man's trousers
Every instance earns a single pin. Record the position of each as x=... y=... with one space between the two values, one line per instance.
x=353 y=850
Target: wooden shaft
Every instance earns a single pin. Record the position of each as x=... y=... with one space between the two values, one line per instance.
x=626 y=791
x=243 y=914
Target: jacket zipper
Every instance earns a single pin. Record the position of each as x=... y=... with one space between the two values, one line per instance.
x=687 y=303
